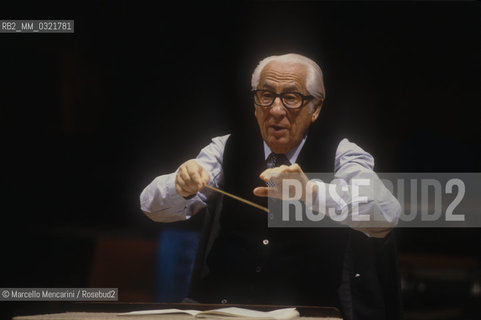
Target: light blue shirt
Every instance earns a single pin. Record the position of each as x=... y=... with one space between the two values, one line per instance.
x=161 y=202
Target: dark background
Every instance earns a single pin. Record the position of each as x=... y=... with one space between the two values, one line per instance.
x=89 y=119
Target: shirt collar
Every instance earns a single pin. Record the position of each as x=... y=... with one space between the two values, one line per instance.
x=291 y=155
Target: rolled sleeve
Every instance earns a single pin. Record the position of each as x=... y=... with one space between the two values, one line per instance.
x=377 y=208
x=352 y=162
x=160 y=200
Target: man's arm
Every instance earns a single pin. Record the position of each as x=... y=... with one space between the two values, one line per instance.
x=353 y=163
x=174 y=197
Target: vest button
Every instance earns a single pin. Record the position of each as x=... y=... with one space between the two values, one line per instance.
x=265 y=242
x=258 y=269
x=223 y=301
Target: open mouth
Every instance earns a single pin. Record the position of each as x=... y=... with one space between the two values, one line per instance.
x=278 y=131
x=278 y=128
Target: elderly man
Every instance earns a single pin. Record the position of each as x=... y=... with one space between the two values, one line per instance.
x=243 y=260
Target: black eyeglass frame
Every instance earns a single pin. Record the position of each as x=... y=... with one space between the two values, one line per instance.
x=280 y=95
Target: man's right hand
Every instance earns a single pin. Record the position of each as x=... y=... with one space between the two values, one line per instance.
x=190 y=178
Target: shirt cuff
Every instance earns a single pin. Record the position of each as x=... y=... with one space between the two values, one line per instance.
x=174 y=199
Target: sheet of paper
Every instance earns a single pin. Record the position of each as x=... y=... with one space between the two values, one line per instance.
x=286 y=313
x=158 y=311
x=229 y=312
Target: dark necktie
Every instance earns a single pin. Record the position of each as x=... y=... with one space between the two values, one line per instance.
x=277 y=160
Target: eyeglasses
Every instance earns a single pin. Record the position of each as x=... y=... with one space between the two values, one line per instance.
x=290 y=100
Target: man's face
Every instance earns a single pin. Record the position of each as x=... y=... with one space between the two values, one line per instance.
x=281 y=128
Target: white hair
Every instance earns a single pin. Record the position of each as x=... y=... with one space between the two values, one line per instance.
x=314 y=78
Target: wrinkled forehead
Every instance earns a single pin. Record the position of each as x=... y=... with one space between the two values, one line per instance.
x=284 y=74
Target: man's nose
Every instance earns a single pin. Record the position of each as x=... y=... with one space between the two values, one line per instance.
x=277 y=108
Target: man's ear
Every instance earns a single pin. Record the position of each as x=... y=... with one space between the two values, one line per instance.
x=316 y=111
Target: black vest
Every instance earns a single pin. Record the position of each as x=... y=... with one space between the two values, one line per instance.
x=250 y=263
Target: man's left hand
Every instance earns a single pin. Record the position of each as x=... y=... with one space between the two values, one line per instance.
x=274 y=176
